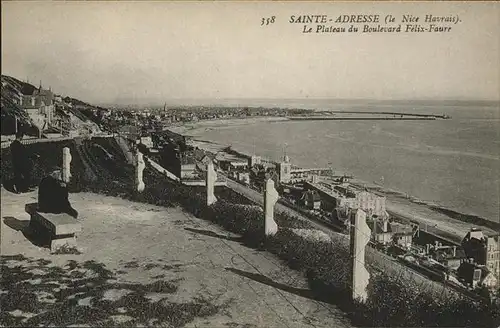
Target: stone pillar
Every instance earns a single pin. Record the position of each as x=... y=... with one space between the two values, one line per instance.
x=270 y=198
x=66 y=172
x=138 y=172
x=360 y=237
x=210 y=183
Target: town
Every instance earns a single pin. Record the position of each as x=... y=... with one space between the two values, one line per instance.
x=466 y=263
x=218 y=165
x=473 y=264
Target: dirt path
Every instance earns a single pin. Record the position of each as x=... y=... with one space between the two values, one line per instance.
x=146 y=265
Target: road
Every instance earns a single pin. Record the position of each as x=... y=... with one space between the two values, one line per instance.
x=430 y=229
x=429 y=220
x=258 y=198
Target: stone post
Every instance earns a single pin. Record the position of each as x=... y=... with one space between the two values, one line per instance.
x=66 y=172
x=360 y=237
x=138 y=172
x=210 y=183
x=270 y=198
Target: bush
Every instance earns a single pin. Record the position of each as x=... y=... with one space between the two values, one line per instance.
x=391 y=302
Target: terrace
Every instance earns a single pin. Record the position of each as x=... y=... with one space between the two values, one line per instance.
x=401 y=296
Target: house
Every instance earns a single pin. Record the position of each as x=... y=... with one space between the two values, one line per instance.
x=302 y=174
x=381 y=231
x=469 y=273
x=485 y=250
x=490 y=281
x=312 y=200
x=402 y=234
x=147 y=142
x=254 y=160
x=292 y=192
x=38 y=103
x=473 y=275
x=451 y=257
x=344 y=215
x=191 y=161
x=32 y=97
x=229 y=162
x=244 y=177
x=371 y=203
x=344 y=197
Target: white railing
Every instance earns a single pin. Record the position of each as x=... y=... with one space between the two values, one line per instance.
x=6 y=143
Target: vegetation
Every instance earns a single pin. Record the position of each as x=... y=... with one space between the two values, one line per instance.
x=392 y=301
x=76 y=295
x=9 y=110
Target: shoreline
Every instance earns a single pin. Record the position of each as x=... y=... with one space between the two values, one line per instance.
x=396 y=198
x=189 y=128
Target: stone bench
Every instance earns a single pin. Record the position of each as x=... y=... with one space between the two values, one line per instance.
x=57 y=229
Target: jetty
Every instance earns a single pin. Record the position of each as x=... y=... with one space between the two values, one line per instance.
x=366 y=116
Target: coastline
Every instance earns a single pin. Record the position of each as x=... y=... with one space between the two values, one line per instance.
x=195 y=127
x=397 y=201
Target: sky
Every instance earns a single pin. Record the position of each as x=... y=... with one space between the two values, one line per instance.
x=132 y=52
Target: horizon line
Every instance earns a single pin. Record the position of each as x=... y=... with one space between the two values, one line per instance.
x=152 y=101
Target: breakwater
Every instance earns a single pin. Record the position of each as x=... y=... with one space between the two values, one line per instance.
x=375 y=118
x=425 y=159
x=364 y=116
x=443 y=116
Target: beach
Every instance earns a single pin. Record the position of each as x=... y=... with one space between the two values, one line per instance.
x=403 y=160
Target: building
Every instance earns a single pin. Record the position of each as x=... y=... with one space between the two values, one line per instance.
x=292 y=192
x=312 y=200
x=344 y=197
x=190 y=161
x=231 y=163
x=402 y=234
x=146 y=141
x=254 y=160
x=32 y=97
x=470 y=274
x=381 y=231
x=475 y=275
x=485 y=250
x=299 y=175
x=38 y=103
x=182 y=164
x=260 y=174
x=172 y=137
x=449 y=256
x=371 y=203
x=285 y=170
x=244 y=177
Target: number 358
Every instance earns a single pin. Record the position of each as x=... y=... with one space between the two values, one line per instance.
x=268 y=20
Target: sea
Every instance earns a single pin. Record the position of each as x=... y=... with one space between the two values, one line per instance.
x=454 y=163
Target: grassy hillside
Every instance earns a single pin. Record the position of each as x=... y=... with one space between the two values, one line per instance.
x=12 y=87
x=9 y=109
